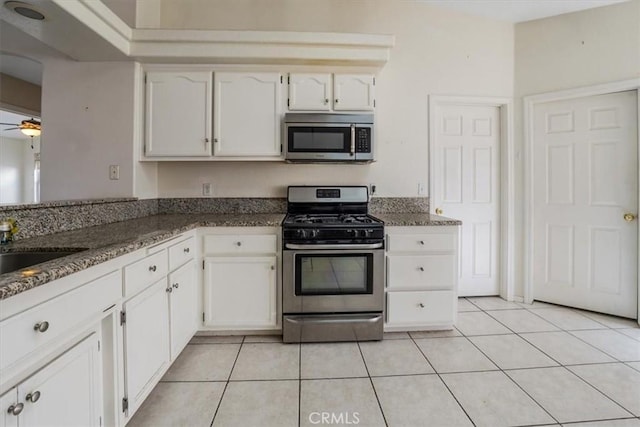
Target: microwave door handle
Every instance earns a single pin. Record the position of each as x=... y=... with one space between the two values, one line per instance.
x=353 y=140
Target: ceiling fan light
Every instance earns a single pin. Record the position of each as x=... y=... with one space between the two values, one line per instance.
x=30 y=132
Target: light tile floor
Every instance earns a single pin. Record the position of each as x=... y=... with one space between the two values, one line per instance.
x=505 y=364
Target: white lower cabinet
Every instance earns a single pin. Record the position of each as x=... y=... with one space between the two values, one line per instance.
x=66 y=392
x=241 y=292
x=146 y=342
x=183 y=308
x=422 y=277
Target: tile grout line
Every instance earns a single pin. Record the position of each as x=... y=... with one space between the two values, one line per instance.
x=364 y=361
x=227 y=382
x=441 y=380
x=299 y=384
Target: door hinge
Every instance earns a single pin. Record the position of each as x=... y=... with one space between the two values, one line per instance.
x=98 y=345
x=374 y=103
x=374 y=81
x=145 y=79
x=287 y=102
x=203 y=316
x=280 y=79
x=281 y=148
x=288 y=80
x=203 y=264
x=125 y=404
x=100 y=420
x=123 y=318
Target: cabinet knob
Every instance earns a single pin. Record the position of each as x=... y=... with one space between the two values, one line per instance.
x=421 y=268
x=326 y=101
x=438 y=211
x=206 y=140
x=421 y=242
x=169 y=289
x=16 y=409
x=33 y=397
x=238 y=243
x=421 y=305
x=337 y=100
x=185 y=250
x=176 y=285
x=215 y=140
x=153 y=268
x=273 y=267
x=41 y=326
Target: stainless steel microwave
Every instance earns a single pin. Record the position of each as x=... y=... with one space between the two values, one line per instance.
x=327 y=137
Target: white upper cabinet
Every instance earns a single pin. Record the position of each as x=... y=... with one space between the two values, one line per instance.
x=353 y=92
x=178 y=114
x=247 y=114
x=326 y=92
x=310 y=92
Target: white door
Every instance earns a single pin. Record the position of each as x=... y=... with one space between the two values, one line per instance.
x=466 y=186
x=67 y=392
x=241 y=292
x=585 y=179
x=183 y=307
x=247 y=111
x=310 y=92
x=10 y=409
x=146 y=340
x=178 y=114
x=353 y=92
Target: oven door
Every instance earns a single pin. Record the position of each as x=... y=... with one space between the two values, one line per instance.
x=332 y=279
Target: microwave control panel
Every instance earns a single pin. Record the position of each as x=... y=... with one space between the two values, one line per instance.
x=363 y=140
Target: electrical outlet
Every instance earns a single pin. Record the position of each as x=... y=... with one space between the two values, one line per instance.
x=114 y=172
x=421 y=189
x=372 y=189
x=207 y=189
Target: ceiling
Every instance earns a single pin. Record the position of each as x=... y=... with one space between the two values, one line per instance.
x=520 y=10
x=8 y=117
x=21 y=68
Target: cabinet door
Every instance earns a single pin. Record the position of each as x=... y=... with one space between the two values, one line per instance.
x=178 y=114
x=146 y=341
x=353 y=92
x=67 y=392
x=8 y=407
x=248 y=109
x=310 y=92
x=183 y=308
x=241 y=292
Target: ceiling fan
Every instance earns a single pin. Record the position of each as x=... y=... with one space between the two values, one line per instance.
x=30 y=127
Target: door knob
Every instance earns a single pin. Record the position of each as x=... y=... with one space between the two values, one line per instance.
x=629 y=217
x=438 y=211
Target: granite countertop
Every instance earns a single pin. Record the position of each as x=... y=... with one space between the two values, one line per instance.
x=104 y=242
x=415 y=219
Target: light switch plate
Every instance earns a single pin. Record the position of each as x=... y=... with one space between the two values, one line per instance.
x=114 y=172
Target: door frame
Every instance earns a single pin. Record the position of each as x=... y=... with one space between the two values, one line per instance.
x=506 y=274
x=529 y=104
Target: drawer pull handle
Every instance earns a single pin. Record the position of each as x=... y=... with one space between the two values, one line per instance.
x=421 y=305
x=169 y=289
x=176 y=285
x=153 y=268
x=421 y=268
x=33 y=397
x=16 y=409
x=185 y=250
x=41 y=326
x=422 y=242
x=273 y=267
x=238 y=243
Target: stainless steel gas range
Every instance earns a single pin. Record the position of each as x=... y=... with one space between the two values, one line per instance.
x=333 y=272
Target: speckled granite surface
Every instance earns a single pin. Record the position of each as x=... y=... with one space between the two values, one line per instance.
x=54 y=217
x=415 y=219
x=108 y=241
x=398 y=204
x=59 y=203
x=253 y=205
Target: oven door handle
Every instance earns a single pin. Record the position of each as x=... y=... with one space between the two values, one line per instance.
x=334 y=247
x=319 y=319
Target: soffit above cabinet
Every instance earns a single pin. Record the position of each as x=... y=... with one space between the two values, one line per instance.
x=89 y=31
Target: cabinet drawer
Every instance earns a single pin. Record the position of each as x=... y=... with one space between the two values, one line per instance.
x=181 y=252
x=427 y=242
x=420 y=308
x=19 y=336
x=421 y=272
x=143 y=273
x=240 y=244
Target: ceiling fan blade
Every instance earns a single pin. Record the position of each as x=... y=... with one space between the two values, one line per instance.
x=10 y=124
x=10 y=128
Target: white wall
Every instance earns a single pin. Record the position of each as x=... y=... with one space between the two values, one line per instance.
x=11 y=173
x=437 y=52
x=578 y=49
x=87 y=116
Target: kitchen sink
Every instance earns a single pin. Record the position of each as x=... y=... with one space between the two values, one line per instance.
x=12 y=261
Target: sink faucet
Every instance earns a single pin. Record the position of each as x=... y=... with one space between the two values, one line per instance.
x=7 y=229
